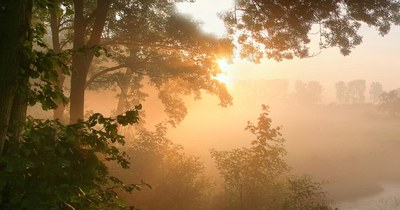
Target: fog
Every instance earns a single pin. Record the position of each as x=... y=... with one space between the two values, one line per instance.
x=350 y=144
x=352 y=147
x=355 y=147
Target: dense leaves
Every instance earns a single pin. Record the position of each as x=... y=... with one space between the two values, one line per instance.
x=155 y=45
x=42 y=72
x=56 y=166
x=178 y=180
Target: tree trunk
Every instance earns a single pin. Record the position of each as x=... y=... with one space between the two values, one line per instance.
x=18 y=114
x=15 y=20
x=124 y=92
x=81 y=63
x=58 y=113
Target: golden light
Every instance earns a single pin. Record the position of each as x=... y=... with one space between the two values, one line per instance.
x=224 y=76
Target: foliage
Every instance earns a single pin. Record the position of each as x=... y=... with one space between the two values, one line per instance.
x=389 y=102
x=356 y=91
x=55 y=166
x=177 y=179
x=307 y=93
x=154 y=44
x=375 y=90
x=251 y=172
x=304 y=193
x=281 y=29
x=350 y=93
x=42 y=71
x=256 y=177
x=271 y=91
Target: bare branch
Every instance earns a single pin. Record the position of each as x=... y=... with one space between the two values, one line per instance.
x=65 y=28
x=91 y=80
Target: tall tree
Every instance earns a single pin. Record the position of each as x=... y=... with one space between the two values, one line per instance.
x=356 y=91
x=375 y=90
x=389 y=102
x=287 y=24
x=341 y=92
x=15 y=31
x=170 y=52
x=307 y=93
x=255 y=177
x=95 y=20
x=251 y=172
x=148 y=37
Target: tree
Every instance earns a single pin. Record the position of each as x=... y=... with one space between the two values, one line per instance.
x=149 y=40
x=26 y=63
x=175 y=56
x=350 y=93
x=256 y=177
x=307 y=93
x=178 y=180
x=63 y=167
x=355 y=91
x=280 y=29
x=375 y=90
x=272 y=91
x=251 y=172
x=14 y=32
x=106 y=18
x=341 y=92
x=389 y=102
x=45 y=164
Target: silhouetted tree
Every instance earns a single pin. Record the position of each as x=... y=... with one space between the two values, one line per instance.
x=350 y=93
x=375 y=90
x=255 y=177
x=307 y=93
x=356 y=90
x=178 y=180
x=251 y=172
x=280 y=28
x=272 y=91
x=389 y=102
x=341 y=92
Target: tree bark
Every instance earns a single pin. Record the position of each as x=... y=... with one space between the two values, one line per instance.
x=15 y=20
x=124 y=92
x=81 y=63
x=58 y=113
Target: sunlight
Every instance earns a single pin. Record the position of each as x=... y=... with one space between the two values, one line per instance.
x=224 y=76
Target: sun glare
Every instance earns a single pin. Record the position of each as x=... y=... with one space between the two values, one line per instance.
x=224 y=76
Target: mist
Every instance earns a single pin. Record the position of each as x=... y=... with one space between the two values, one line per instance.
x=352 y=147
x=203 y=118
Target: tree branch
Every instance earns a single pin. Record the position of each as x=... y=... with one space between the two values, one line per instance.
x=91 y=80
x=98 y=9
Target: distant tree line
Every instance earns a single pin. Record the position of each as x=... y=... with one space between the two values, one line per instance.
x=276 y=92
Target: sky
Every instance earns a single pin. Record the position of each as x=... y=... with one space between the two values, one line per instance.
x=375 y=60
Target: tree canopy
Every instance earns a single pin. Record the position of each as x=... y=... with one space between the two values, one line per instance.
x=281 y=29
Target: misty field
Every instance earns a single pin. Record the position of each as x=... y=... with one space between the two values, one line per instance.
x=352 y=147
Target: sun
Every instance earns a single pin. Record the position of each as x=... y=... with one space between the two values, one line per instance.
x=224 y=76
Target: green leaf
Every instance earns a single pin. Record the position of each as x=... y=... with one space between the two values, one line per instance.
x=138 y=107
x=69 y=11
x=120 y=201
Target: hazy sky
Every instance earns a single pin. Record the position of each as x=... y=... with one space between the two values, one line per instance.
x=376 y=59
